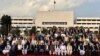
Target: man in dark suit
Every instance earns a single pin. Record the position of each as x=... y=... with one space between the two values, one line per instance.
x=96 y=47
x=13 y=51
x=75 y=48
x=94 y=50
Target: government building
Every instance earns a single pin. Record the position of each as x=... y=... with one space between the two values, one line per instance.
x=49 y=19
x=54 y=18
x=22 y=22
x=65 y=19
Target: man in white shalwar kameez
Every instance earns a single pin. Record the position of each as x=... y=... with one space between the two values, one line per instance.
x=7 y=49
x=69 y=49
x=63 y=49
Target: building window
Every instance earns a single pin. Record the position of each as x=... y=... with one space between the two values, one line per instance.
x=78 y=19
x=91 y=27
x=22 y=23
x=93 y=19
x=85 y=27
x=83 y=19
x=78 y=23
x=93 y=23
x=38 y=27
x=96 y=27
x=88 y=19
x=98 y=19
x=14 y=23
x=98 y=23
x=88 y=23
x=28 y=27
x=54 y=23
x=83 y=23
x=22 y=19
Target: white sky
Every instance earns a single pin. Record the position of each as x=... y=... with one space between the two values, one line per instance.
x=30 y=7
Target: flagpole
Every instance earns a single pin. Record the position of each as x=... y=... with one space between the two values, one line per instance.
x=54 y=4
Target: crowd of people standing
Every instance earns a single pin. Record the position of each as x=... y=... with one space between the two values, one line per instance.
x=56 y=41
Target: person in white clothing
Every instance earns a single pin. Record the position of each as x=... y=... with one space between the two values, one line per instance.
x=57 y=50
x=14 y=41
x=19 y=46
x=81 y=49
x=69 y=49
x=63 y=49
x=24 y=51
x=25 y=48
x=7 y=49
x=33 y=42
x=23 y=41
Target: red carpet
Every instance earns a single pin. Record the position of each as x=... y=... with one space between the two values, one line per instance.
x=36 y=55
x=44 y=55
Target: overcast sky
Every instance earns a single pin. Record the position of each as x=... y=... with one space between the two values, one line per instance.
x=88 y=8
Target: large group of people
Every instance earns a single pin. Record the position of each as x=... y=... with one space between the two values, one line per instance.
x=56 y=41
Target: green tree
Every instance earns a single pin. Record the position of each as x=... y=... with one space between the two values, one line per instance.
x=5 y=24
x=26 y=32
x=44 y=31
x=99 y=29
x=33 y=30
x=16 y=31
x=96 y=32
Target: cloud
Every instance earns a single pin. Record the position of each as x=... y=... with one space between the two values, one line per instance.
x=29 y=7
x=68 y=4
x=62 y=4
x=21 y=8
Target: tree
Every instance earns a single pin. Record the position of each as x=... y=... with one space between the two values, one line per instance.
x=26 y=32
x=99 y=29
x=96 y=32
x=54 y=29
x=33 y=30
x=16 y=31
x=5 y=24
x=44 y=31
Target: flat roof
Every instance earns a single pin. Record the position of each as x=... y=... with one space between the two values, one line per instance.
x=88 y=18
x=17 y=17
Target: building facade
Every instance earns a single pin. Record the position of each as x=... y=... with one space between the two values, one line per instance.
x=88 y=22
x=65 y=19
x=22 y=22
x=54 y=18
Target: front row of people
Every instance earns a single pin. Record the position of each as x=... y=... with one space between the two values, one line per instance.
x=60 y=49
x=63 y=50
x=81 y=49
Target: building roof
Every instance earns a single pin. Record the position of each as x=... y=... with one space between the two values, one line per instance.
x=54 y=12
x=88 y=17
x=22 y=17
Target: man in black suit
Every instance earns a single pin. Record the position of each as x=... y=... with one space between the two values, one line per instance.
x=13 y=51
x=94 y=50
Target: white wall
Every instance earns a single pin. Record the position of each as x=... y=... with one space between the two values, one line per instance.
x=54 y=16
